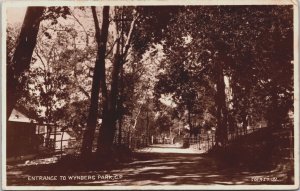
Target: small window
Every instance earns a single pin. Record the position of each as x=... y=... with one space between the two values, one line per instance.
x=41 y=129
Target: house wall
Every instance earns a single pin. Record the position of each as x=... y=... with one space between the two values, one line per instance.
x=62 y=140
x=21 y=139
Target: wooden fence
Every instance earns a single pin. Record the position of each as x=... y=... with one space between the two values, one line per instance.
x=206 y=141
x=71 y=145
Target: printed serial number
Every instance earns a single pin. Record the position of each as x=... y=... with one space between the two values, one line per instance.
x=264 y=179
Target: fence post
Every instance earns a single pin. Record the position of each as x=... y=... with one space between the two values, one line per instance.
x=207 y=137
x=291 y=138
x=199 y=143
x=61 y=143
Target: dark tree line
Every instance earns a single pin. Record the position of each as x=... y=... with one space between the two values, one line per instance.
x=252 y=46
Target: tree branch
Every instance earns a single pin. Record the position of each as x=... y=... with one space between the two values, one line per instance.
x=87 y=36
x=96 y=23
x=128 y=40
x=112 y=47
x=136 y=117
x=80 y=87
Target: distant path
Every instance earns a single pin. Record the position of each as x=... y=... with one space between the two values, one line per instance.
x=168 y=148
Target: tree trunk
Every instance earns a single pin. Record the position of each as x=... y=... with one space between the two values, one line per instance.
x=23 y=53
x=244 y=120
x=120 y=109
x=98 y=79
x=222 y=114
x=190 y=120
x=147 y=124
x=120 y=130
x=108 y=127
x=274 y=114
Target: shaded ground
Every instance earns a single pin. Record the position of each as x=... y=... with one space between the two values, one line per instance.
x=156 y=165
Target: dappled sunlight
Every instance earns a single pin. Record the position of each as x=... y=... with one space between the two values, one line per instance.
x=164 y=168
x=145 y=162
x=149 y=182
x=223 y=182
x=15 y=172
x=170 y=149
x=156 y=168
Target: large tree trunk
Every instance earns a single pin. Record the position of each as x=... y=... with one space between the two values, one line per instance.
x=23 y=53
x=222 y=113
x=98 y=79
x=108 y=127
x=120 y=109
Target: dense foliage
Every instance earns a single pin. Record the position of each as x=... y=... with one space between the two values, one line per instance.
x=146 y=71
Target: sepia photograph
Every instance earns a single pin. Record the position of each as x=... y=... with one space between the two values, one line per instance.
x=140 y=95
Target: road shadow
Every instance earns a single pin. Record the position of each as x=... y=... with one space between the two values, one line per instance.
x=150 y=168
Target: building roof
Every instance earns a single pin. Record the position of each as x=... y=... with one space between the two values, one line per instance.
x=18 y=116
